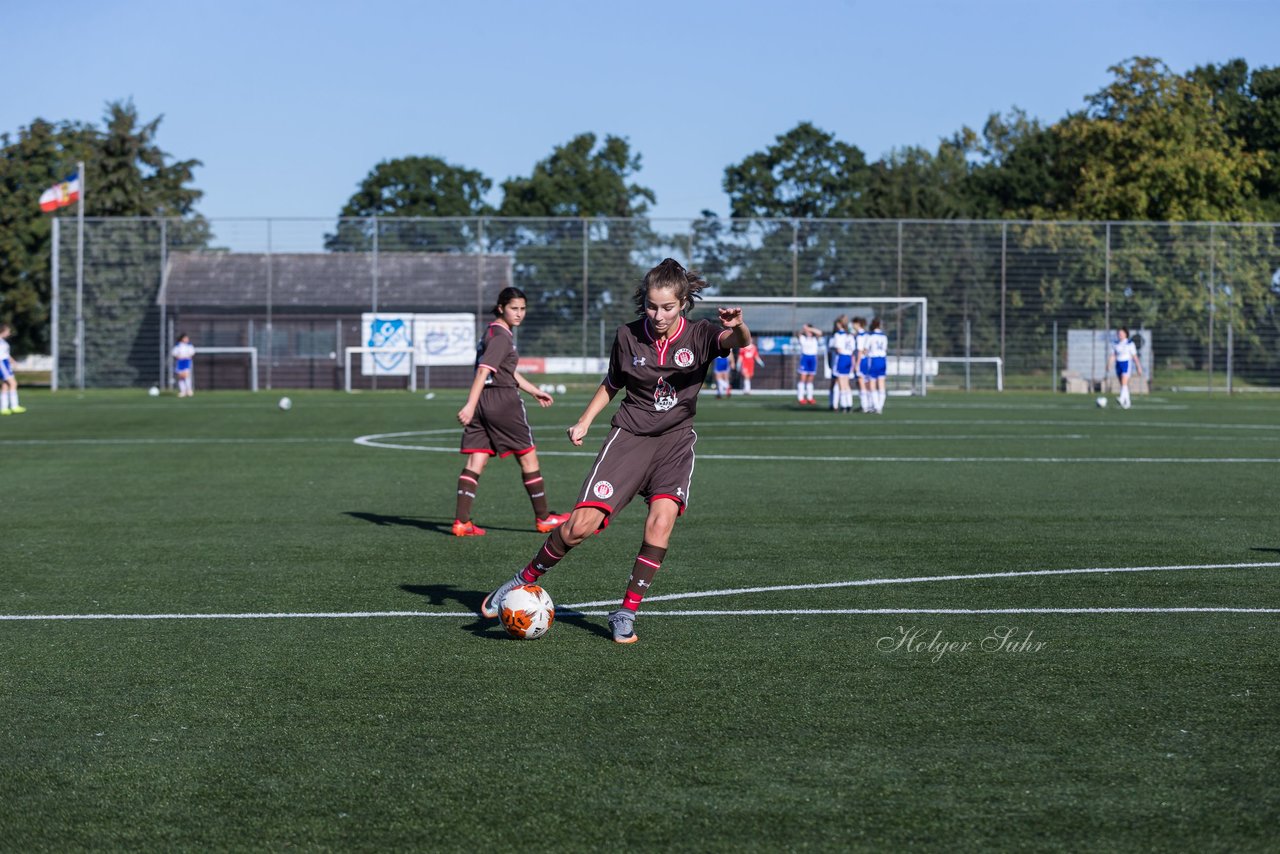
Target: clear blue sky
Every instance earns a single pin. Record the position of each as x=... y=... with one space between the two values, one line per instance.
x=290 y=104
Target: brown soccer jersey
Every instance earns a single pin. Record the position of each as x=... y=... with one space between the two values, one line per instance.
x=498 y=356
x=662 y=376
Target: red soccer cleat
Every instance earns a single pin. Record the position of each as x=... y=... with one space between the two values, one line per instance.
x=467 y=529
x=551 y=522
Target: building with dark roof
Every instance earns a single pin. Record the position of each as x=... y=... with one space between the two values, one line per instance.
x=302 y=310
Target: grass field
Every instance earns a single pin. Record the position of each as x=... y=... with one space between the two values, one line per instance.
x=1127 y=710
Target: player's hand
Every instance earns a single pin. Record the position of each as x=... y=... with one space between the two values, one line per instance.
x=465 y=414
x=730 y=317
x=577 y=433
x=544 y=399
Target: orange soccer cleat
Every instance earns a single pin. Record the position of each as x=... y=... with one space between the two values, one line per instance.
x=467 y=529
x=551 y=522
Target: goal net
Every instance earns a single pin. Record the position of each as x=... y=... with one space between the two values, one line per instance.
x=776 y=321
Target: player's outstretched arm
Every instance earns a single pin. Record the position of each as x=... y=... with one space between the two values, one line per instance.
x=595 y=406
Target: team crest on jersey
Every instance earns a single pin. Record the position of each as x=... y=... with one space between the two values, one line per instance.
x=684 y=357
x=603 y=489
x=664 y=394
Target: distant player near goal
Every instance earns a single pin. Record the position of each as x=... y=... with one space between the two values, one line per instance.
x=809 y=337
x=494 y=419
x=877 y=365
x=662 y=361
x=748 y=358
x=183 y=355
x=842 y=344
x=1123 y=352
x=8 y=382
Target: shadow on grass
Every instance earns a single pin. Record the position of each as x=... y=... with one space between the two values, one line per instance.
x=418 y=522
x=444 y=594
x=1264 y=549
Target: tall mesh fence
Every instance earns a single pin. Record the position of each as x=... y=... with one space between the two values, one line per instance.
x=1205 y=296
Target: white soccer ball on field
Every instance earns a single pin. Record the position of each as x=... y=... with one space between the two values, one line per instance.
x=527 y=612
x=1102 y=402
x=560 y=389
x=285 y=404
x=154 y=391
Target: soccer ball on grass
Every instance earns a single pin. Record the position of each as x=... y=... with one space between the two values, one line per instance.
x=285 y=404
x=527 y=612
x=1102 y=402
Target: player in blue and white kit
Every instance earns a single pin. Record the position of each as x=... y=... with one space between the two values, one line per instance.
x=877 y=358
x=842 y=344
x=809 y=337
x=1123 y=354
x=8 y=382
x=860 y=364
x=720 y=370
x=184 y=355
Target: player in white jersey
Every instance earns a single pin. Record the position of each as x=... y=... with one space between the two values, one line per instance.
x=809 y=337
x=860 y=360
x=8 y=382
x=184 y=355
x=842 y=344
x=877 y=364
x=1124 y=354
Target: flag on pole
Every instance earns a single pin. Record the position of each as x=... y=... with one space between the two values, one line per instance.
x=61 y=194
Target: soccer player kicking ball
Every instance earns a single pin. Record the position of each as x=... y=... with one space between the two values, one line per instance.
x=662 y=361
x=8 y=382
x=494 y=420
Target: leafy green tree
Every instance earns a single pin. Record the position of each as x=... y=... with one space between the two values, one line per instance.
x=1152 y=145
x=912 y=183
x=583 y=199
x=31 y=161
x=423 y=187
x=580 y=179
x=129 y=174
x=807 y=172
x=1011 y=172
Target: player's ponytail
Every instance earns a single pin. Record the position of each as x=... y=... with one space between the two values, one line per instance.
x=687 y=285
x=875 y=324
x=507 y=295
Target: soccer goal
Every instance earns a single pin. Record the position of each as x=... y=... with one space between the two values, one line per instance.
x=251 y=352
x=397 y=369
x=775 y=322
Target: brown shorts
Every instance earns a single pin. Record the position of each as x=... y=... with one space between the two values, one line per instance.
x=500 y=426
x=653 y=466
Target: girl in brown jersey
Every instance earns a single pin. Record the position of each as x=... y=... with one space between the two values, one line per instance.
x=494 y=421
x=662 y=360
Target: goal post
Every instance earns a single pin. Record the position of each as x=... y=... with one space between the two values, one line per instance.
x=251 y=352
x=410 y=351
x=774 y=322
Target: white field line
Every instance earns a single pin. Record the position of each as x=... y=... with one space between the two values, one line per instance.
x=377 y=440
x=920 y=579
x=577 y=608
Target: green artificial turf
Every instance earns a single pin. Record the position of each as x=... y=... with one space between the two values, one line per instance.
x=739 y=722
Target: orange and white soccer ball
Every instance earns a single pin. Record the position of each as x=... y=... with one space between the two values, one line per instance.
x=527 y=612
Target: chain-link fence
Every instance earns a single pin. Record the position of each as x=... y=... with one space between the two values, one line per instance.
x=1204 y=297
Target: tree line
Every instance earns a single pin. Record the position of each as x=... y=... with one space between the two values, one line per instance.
x=1151 y=145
